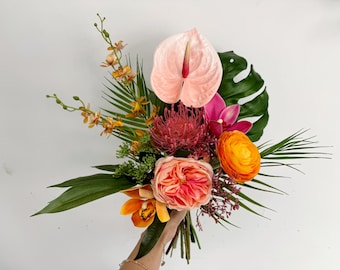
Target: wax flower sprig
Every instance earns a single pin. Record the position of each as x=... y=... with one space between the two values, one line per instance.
x=189 y=140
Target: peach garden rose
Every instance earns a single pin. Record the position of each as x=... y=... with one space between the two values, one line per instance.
x=239 y=157
x=182 y=183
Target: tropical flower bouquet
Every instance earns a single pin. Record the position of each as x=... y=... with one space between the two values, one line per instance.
x=189 y=140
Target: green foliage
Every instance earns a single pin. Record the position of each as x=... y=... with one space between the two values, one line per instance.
x=186 y=234
x=85 y=189
x=120 y=96
x=280 y=154
x=151 y=237
x=234 y=92
x=124 y=150
x=139 y=172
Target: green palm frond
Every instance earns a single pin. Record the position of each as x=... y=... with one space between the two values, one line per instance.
x=265 y=188
x=244 y=200
x=121 y=96
x=292 y=147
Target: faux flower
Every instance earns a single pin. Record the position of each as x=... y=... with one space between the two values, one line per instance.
x=137 y=107
x=110 y=61
x=182 y=183
x=85 y=112
x=179 y=128
x=186 y=67
x=121 y=72
x=238 y=156
x=143 y=206
x=118 y=46
x=155 y=111
x=94 y=119
x=109 y=125
x=223 y=118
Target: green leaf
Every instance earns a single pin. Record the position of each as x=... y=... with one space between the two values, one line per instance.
x=85 y=189
x=271 y=188
x=244 y=206
x=108 y=168
x=293 y=147
x=249 y=92
x=245 y=197
x=151 y=237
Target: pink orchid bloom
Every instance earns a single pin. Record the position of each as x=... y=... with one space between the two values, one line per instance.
x=186 y=67
x=223 y=118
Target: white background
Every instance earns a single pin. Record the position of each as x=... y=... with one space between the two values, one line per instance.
x=52 y=47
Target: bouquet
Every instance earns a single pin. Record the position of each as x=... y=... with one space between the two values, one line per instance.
x=189 y=140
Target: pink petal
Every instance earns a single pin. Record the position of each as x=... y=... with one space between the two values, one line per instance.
x=203 y=70
x=214 y=107
x=186 y=61
x=215 y=128
x=243 y=126
x=230 y=113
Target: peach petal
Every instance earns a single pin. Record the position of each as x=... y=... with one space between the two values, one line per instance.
x=139 y=192
x=203 y=70
x=146 y=192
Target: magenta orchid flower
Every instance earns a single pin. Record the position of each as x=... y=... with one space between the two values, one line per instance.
x=223 y=118
x=186 y=67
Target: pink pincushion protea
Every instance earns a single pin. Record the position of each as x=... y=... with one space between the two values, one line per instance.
x=180 y=128
x=182 y=183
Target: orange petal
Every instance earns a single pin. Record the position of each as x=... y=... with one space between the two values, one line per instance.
x=131 y=206
x=139 y=222
x=132 y=192
x=162 y=212
x=202 y=74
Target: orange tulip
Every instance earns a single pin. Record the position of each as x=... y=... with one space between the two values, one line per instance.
x=238 y=156
x=143 y=206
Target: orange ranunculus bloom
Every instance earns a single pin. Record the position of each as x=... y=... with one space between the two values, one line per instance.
x=238 y=156
x=143 y=206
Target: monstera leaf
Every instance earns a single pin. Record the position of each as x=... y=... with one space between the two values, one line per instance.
x=248 y=91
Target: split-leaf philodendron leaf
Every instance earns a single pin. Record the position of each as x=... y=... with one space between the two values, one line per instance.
x=249 y=89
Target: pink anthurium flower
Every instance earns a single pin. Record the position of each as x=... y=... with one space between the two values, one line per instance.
x=223 y=118
x=186 y=67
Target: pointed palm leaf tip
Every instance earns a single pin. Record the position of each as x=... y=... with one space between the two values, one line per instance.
x=186 y=67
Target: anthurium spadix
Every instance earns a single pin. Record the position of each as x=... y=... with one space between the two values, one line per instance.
x=186 y=67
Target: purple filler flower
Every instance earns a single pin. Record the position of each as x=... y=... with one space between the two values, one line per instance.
x=223 y=118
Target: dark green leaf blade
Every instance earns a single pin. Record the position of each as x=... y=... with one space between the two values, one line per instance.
x=85 y=189
x=151 y=237
x=108 y=168
x=249 y=92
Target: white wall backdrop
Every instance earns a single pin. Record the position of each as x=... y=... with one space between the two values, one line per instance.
x=52 y=47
